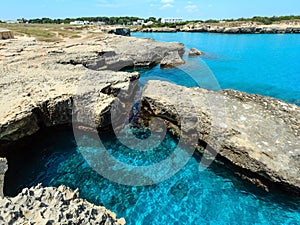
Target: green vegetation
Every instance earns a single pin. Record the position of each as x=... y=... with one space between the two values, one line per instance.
x=157 y=21
x=170 y=25
x=46 y=29
x=107 y=20
x=45 y=32
x=266 y=20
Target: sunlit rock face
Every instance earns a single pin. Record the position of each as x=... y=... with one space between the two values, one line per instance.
x=255 y=133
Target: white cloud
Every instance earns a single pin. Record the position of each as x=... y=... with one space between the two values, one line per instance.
x=167 y=6
x=167 y=1
x=191 y=8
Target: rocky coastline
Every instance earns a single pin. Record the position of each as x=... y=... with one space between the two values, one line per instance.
x=230 y=28
x=40 y=81
x=48 y=205
x=259 y=135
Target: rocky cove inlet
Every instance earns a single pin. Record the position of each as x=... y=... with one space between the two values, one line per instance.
x=215 y=196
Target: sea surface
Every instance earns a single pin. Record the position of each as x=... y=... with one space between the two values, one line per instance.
x=261 y=64
x=254 y=63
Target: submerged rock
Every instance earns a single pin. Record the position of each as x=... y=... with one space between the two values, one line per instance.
x=195 y=52
x=259 y=135
x=39 y=205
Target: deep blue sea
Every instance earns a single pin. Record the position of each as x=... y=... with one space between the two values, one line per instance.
x=262 y=64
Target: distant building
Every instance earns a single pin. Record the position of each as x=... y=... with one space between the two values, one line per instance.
x=140 y=22
x=171 y=20
x=99 y=23
x=12 y=21
x=149 y=23
x=80 y=23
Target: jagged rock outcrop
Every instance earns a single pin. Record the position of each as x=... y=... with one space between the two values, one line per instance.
x=45 y=98
x=3 y=169
x=259 y=135
x=194 y=52
x=119 y=53
x=41 y=92
x=49 y=205
x=49 y=84
x=6 y=34
x=172 y=59
x=120 y=31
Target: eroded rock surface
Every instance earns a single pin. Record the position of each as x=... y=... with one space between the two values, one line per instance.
x=195 y=52
x=49 y=205
x=49 y=84
x=6 y=34
x=119 y=53
x=34 y=97
x=258 y=134
x=172 y=59
x=39 y=80
x=3 y=169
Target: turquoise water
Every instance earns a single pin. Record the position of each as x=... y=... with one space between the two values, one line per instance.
x=259 y=64
x=214 y=196
x=263 y=64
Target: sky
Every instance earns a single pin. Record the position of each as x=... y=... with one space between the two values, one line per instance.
x=187 y=10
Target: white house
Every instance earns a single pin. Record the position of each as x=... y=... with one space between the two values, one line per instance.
x=80 y=23
x=171 y=20
x=140 y=22
x=149 y=23
x=12 y=21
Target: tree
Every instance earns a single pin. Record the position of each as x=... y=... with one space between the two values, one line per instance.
x=153 y=19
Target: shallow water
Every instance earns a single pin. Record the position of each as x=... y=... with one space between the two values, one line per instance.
x=214 y=196
x=264 y=64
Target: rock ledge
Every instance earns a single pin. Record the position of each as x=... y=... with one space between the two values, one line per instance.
x=257 y=134
x=61 y=205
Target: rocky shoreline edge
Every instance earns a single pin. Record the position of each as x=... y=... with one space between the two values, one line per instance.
x=49 y=205
x=229 y=28
x=41 y=92
x=261 y=134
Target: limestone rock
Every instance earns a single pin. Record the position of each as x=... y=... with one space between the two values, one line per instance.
x=260 y=135
x=121 y=31
x=3 y=169
x=42 y=91
x=195 y=52
x=6 y=34
x=76 y=82
x=172 y=59
x=120 y=53
x=61 y=205
x=230 y=28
